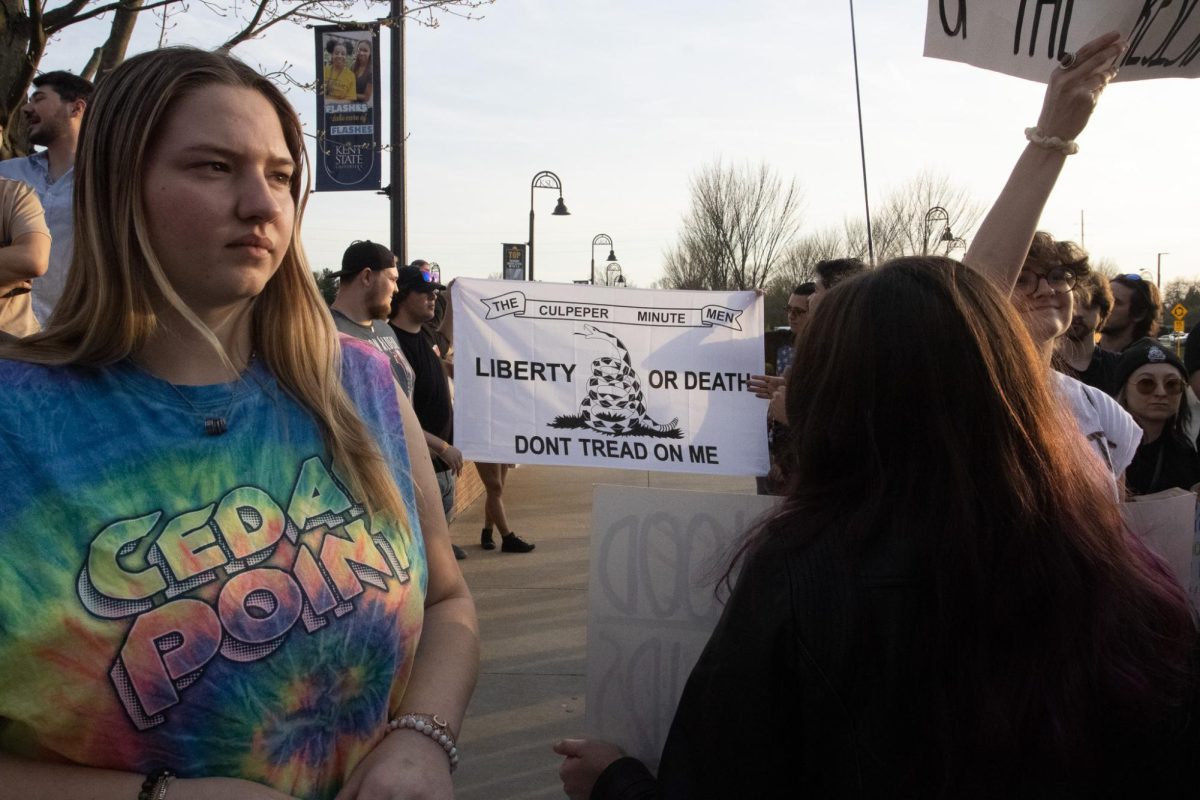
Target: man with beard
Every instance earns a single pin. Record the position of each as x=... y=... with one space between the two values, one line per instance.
x=366 y=284
x=1077 y=353
x=54 y=112
x=1137 y=306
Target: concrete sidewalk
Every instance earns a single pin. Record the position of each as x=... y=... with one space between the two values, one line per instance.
x=532 y=618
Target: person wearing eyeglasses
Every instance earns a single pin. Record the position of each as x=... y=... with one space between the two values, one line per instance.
x=1152 y=381
x=797 y=316
x=1044 y=297
x=1137 y=305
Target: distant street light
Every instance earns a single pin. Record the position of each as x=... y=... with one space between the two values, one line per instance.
x=1160 y=255
x=612 y=275
x=597 y=241
x=544 y=180
x=936 y=214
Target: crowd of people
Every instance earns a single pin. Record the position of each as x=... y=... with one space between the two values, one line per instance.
x=225 y=566
x=947 y=601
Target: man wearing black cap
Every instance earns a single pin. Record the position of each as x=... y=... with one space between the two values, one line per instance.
x=414 y=305
x=366 y=284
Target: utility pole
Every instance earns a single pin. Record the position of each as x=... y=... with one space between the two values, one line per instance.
x=398 y=191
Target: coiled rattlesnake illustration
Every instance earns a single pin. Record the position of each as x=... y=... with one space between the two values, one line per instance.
x=614 y=403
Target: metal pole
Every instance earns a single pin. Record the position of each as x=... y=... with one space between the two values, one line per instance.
x=593 y=280
x=862 y=145
x=529 y=277
x=399 y=187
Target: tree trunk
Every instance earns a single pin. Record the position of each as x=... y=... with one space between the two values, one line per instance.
x=113 y=51
x=22 y=42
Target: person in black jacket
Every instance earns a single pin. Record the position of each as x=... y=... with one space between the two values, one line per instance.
x=1153 y=381
x=947 y=603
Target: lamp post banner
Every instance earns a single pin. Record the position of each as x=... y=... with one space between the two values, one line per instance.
x=593 y=376
x=512 y=261
x=1026 y=38
x=348 y=108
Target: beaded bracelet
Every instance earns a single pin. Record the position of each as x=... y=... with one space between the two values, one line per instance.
x=1036 y=136
x=432 y=726
x=155 y=785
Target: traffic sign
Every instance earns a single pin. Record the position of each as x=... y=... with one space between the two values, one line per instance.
x=1179 y=312
x=1179 y=326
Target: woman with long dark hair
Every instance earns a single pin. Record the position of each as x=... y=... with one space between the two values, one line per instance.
x=364 y=77
x=947 y=603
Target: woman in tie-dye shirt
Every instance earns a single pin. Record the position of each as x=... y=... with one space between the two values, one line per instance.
x=222 y=551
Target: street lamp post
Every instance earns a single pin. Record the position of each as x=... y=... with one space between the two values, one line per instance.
x=936 y=214
x=1160 y=255
x=598 y=240
x=544 y=180
x=613 y=275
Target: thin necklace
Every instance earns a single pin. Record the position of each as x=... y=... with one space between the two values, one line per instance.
x=213 y=426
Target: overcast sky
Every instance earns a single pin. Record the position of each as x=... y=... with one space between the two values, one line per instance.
x=626 y=99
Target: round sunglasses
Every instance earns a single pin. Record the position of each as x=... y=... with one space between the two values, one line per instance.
x=1172 y=385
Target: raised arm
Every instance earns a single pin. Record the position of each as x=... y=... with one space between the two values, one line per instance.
x=1003 y=240
x=407 y=764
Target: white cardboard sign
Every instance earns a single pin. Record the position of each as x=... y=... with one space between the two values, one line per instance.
x=656 y=556
x=1026 y=37
x=549 y=373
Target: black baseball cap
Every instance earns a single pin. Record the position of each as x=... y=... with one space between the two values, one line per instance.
x=365 y=254
x=414 y=279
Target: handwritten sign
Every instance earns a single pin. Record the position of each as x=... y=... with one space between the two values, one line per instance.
x=1026 y=38
x=551 y=373
x=656 y=557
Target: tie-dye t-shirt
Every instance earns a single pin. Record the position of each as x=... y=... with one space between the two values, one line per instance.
x=216 y=605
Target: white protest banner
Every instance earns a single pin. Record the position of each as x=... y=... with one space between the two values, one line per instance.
x=656 y=556
x=549 y=373
x=1026 y=37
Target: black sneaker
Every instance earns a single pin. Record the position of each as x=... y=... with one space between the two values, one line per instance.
x=515 y=544
x=459 y=553
x=485 y=539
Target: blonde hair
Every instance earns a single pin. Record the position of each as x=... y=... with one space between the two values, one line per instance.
x=106 y=312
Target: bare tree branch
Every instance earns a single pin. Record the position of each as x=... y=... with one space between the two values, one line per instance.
x=123 y=5
x=741 y=221
x=56 y=18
